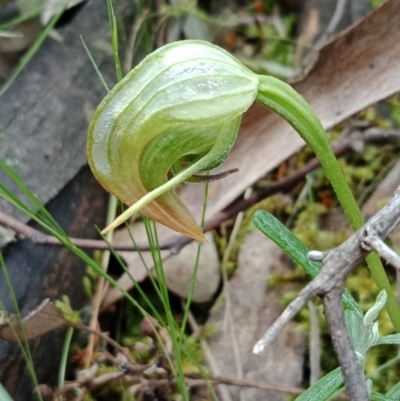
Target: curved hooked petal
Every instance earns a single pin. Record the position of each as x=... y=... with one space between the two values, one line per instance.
x=182 y=102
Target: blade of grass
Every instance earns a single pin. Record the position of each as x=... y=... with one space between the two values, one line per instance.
x=130 y=52
x=196 y=267
x=114 y=38
x=171 y=323
x=150 y=275
x=64 y=239
x=183 y=347
x=141 y=292
x=96 y=68
x=31 y=52
x=24 y=345
x=193 y=359
x=40 y=209
x=98 y=269
x=102 y=284
x=64 y=356
x=21 y=18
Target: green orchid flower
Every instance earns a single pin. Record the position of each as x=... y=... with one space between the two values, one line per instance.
x=177 y=112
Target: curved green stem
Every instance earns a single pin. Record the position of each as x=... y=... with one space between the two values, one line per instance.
x=285 y=101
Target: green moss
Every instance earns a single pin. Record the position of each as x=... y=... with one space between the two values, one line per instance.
x=193 y=346
x=376 y=3
x=394 y=108
x=275 y=280
x=208 y=330
x=307 y=229
x=90 y=279
x=64 y=306
x=277 y=204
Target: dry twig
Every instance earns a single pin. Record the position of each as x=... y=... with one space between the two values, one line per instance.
x=248 y=383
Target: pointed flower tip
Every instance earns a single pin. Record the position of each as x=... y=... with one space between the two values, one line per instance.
x=106 y=230
x=201 y=238
x=195 y=234
x=178 y=111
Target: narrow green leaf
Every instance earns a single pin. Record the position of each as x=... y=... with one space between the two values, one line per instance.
x=323 y=388
x=8 y=194
x=290 y=244
x=23 y=343
x=393 y=339
x=114 y=38
x=36 y=210
x=31 y=52
x=381 y=397
x=95 y=66
x=64 y=356
x=42 y=220
x=355 y=327
x=394 y=392
x=21 y=18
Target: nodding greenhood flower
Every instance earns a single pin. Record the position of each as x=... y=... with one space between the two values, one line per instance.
x=179 y=110
x=178 y=113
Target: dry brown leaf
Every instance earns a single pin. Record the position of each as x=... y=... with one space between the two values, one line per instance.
x=41 y=320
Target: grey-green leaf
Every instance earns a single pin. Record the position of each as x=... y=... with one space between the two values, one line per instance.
x=393 y=339
x=381 y=397
x=394 y=392
x=323 y=388
x=355 y=328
